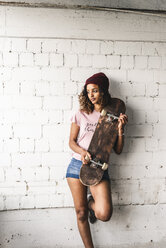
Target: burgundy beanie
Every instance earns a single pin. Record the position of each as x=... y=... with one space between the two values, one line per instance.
x=99 y=79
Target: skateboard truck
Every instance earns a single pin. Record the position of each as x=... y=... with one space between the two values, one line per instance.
x=111 y=117
x=104 y=166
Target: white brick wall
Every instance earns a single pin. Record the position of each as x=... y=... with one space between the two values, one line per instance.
x=40 y=79
x=34 y=130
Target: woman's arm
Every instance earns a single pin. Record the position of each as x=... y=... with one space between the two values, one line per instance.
x=118 y=147
x=73 y=142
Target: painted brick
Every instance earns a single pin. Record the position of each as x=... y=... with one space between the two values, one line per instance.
x=41 y=188
x=138 y=89
x=6 y=131
x=41 y=59
x=56 y=88
x=57 y=102
x=99 y=61
x=42 y=174
x=55 y=116
x=125 y=48
x=56 y=59
x=41 y=201
x=5 y=44
x=63 y=46
x=1 y=60
x=27 y=131
x=26 y=159
x=149 y=48
x=26 y=102
x=140 y=76
x=11 y=88
x=28 y=174
x=159 y=103
x=151 y=144
x=42 y=88
x=162 y=90
x=1 y=203
x=141 y=62
x=6 y=73
x=78 y=46
x=92 y=47
x=81 y=74
x=113 y=61
x=26 y=145
x=27 y=88
x=127 y=62
x=70 y=88
x=26 y=73
x=162 y=144
x=152 y=116
x=5 y=102
x=41 y=145
x=159 y=131
x=55 y=159
x=2 y=175
x=27 y=202
x=85 y=60
x=56 y=144
x=49 y=45
x=54 y=74
x=11 y=145
x=159 y=76
x=106 y=47
x=10 y=59
x=12 y=202
x=12 y=175
x=139 y=130
x=139 y=116
x=152 y=89
x=163 y=63
x=57 y=173
x=154 y=62
x=59 y=130
x=34 y=45
x=33 y=117
x=18 y=45
x=70 y=60
x=26 y=59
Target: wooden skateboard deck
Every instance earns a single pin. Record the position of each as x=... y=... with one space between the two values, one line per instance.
x=102 y=142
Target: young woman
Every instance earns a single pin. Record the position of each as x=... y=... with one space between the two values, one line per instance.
x=92 y=99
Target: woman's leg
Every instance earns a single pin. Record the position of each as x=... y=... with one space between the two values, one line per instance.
x=102 y=203
x=79 y=193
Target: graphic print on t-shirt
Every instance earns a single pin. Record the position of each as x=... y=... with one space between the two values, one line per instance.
x=90 y=127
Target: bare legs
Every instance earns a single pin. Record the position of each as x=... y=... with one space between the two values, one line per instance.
x=102 y=206
x=102 y=203
x=79 y=193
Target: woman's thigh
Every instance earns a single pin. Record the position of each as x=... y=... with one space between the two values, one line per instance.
x=102 y=196
x=79 y=193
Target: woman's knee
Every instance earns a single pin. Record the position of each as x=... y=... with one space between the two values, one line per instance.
x=104 y=214
x=82 y=214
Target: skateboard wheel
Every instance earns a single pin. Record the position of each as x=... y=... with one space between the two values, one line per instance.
x=87 y=158
x=105 y=166
x=103 y=112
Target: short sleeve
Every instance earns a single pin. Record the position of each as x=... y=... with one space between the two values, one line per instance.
x=76 y=118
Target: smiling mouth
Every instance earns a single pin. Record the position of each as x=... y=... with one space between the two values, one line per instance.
x=93 y=99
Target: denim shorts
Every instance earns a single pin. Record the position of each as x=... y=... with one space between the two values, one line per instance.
x=73 y=170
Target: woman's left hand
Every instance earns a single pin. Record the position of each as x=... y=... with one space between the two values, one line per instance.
x=123 y=119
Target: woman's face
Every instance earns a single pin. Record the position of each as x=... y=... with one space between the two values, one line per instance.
x=93 y=93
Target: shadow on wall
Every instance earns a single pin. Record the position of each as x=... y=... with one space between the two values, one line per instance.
x=122 y=183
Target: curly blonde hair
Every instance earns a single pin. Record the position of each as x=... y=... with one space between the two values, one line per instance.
x=87 y=106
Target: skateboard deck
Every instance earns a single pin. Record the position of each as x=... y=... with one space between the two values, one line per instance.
x=102 y=142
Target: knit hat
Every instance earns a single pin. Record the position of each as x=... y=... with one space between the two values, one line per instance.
x=99 y=79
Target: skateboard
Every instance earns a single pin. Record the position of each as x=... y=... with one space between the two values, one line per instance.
x=102 y=142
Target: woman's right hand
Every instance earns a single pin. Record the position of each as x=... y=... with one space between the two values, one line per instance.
x=85 y=153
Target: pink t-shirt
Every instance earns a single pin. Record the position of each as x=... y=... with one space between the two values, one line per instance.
x=87 y=124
